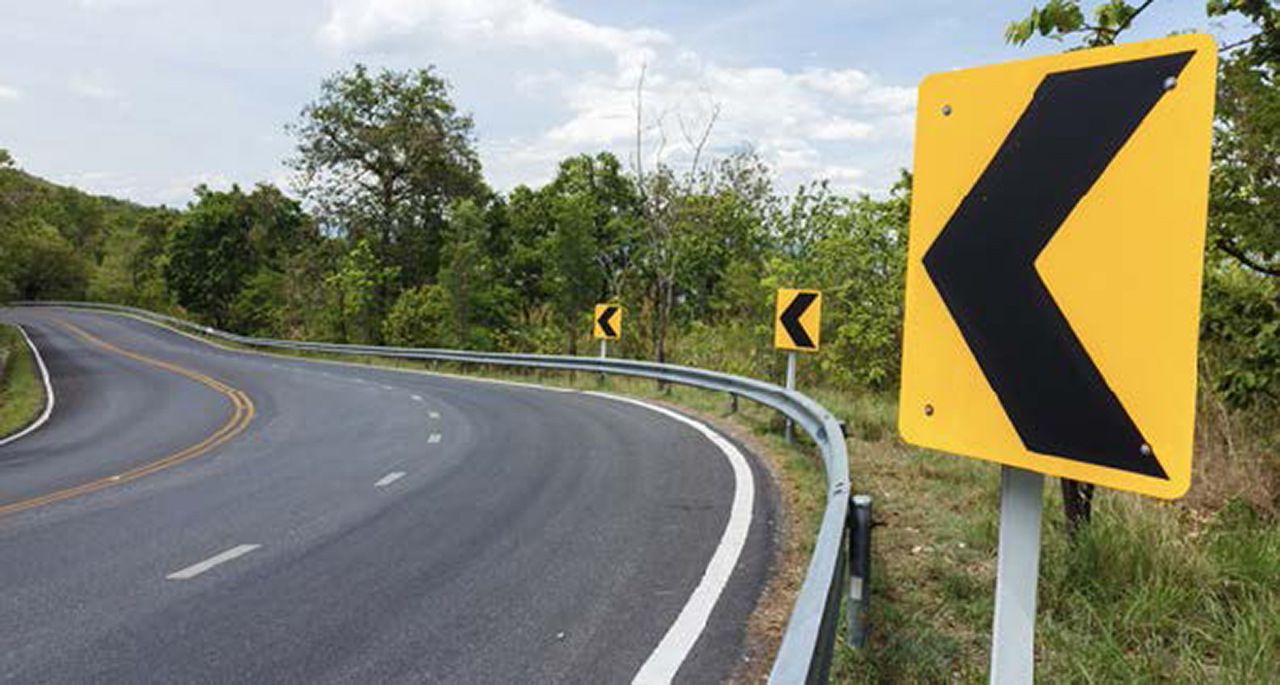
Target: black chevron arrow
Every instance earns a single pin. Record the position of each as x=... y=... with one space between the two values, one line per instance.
x=791 y=319
x=983 y=261
x=604 y=321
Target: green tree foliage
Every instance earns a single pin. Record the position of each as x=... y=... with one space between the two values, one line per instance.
x=209 y=254
x=40 y=263
x=381 y=156
x=1058 y=19
x=359 y=278
x=574 y=281
x=224 y=254
x=858 y=261
x=477 y=300
x=613 y=203
x=50 y=236
x=418 y=318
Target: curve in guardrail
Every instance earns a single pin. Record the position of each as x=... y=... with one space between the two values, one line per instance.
x=809 y=639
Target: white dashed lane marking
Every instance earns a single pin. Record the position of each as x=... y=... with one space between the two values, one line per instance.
x=435 y=437
x=196 y=569
x=389 y=479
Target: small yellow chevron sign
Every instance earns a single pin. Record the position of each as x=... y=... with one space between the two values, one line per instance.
x=798 y=324
x=607 y=324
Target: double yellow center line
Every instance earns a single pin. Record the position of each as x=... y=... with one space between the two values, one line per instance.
x=242 y=413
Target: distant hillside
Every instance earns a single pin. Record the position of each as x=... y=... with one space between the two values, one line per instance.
x=58 y=241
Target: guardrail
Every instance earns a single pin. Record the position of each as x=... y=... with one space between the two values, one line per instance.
x=807 y=644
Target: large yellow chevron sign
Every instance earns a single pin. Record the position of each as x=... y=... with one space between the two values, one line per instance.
x=1054 y=262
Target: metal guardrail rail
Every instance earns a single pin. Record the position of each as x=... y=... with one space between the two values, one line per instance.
x=806 y=649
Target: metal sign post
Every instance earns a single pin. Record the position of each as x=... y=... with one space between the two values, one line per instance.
x=1017 y=573
x=604 y=354
x=791 y=385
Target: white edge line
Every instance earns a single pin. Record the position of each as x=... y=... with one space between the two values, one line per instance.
x=665 y=660
x=196 y=569
x=389 y=479
x=48 y=391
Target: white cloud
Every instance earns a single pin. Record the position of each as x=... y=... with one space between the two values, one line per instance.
x=802 y=122
x=798 y=121
x=10 y=93
x=92 y=88
x=354 y=24
x=114 y=4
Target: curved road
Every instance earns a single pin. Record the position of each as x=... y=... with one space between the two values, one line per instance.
x=219 y=516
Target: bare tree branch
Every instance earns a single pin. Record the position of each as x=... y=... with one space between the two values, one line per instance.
x=1231 y=248
x=1133 y=16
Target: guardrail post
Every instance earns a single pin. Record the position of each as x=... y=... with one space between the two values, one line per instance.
x=733 y=403
x=859 y=604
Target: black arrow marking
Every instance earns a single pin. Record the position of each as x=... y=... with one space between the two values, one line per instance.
x=791 y=320
x=983 y=262
x=604 y=322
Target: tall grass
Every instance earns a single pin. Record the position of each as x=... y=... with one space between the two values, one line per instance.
x=1151 y=591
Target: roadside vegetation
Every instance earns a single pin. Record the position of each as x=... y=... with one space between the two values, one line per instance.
x=21 y=390
x=392 y=236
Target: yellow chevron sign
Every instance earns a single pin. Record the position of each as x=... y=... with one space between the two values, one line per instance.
x=798 y=324
x=1054 y=262
x=607 y=324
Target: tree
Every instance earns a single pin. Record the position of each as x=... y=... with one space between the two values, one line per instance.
x=574 y=279
x=357 y=282
x=476 y=298
x=209 y=254
x=614 y=207
x=223 y=240
x=380 y=157
x=417 y=318
x=531 y=221
x=40 y=263
x=661 y=194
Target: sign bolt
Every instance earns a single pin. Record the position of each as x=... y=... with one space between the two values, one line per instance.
x=1170 y=82
x=946 y=110
x=1145 y=450
x=928 y=410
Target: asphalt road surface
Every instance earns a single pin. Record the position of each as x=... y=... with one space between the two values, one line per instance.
x=193 y=514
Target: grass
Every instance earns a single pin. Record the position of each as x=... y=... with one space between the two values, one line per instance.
x=21 y=391
x=1152 y=591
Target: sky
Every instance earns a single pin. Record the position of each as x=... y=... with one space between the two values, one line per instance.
x=145 y=99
